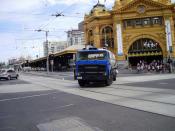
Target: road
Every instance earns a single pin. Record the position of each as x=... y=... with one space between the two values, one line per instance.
x=133 y=103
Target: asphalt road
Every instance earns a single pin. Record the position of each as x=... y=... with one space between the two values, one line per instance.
x=42 y=110
x=162 y=84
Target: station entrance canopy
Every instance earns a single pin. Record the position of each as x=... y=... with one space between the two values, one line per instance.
x=58 y=61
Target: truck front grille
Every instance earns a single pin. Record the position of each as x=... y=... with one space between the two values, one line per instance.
x=91 y=69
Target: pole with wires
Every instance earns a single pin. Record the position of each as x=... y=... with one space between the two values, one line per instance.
x=47 y=49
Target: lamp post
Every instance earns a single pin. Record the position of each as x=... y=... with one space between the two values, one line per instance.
x=47 y=47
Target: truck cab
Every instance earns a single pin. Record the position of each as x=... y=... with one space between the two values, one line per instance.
x=95 y=65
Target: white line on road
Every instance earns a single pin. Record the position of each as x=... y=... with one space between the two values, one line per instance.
x=7 y=116
x=25 y=97
x=57 y=108
x=163 y=83
x=5 y=128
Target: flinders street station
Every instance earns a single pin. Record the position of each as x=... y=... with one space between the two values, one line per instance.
x=133 y=30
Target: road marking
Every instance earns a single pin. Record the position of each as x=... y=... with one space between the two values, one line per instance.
x=25 y=97
x=57 y=108
x=5 y=128
x=67 y=124
x=7 y=116
x=163 y=83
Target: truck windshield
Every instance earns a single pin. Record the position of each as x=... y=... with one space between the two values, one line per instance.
x=92 y=55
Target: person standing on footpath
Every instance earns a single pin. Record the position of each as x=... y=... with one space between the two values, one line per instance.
x=169 y=65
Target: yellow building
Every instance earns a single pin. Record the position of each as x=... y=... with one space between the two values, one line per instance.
x=133 y=30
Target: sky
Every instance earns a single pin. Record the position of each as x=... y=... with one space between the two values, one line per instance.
x=19 y=20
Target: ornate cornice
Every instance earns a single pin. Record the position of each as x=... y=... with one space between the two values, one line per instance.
x=133 y=3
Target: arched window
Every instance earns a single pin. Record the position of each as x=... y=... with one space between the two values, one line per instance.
x=107 y=39
x=90 y=38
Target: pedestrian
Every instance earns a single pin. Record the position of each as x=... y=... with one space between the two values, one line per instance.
x=149 y=68
x=169 y=65
x=138 y=67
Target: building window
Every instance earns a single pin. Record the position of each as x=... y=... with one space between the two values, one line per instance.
x=107 y=37
x=143 y=21
x=138 y=22
x=76 y=40
x=146 y=21
x=157 y=20
x=90 y=38
x=129 y=23
x=90 y=33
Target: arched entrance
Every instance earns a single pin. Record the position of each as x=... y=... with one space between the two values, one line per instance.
x=144 y=49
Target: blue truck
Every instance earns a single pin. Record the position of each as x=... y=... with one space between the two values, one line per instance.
x=95 y=65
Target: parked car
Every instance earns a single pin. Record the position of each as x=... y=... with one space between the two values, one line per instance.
x=8 y=74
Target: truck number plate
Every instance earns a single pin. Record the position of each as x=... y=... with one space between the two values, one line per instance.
x=79 y=77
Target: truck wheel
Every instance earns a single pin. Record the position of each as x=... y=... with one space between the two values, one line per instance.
x=108 y=82
x=81 y=83
x=110 y=79
x=114 y=77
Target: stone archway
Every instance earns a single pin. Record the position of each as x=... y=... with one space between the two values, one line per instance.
x=144 y=49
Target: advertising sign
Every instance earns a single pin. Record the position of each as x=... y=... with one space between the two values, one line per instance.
x=119 y=40
x=168 y=35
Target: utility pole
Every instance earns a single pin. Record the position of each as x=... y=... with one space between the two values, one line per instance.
x=47 y=48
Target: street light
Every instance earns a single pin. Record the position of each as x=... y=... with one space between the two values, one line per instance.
x=47 y=47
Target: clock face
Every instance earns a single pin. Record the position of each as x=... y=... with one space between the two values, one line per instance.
x=141 y=9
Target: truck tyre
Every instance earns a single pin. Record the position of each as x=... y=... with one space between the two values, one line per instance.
x=110 y=79
x=108 y=82
x=81 y=83
x=114 y=76
x=74 y=75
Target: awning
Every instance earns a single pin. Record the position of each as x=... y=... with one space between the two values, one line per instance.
x=70 y=49
x=37 y=60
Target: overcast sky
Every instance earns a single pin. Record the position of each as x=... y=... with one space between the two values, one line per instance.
x=20 y=18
